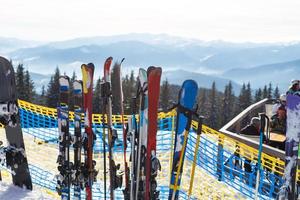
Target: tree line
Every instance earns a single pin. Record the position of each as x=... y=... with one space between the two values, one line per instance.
x=218 y=107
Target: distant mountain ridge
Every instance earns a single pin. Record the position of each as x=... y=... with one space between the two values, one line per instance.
x=205 y=81
x=213 y=59
x=278 y=73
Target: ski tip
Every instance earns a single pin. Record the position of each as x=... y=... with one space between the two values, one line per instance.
x=151 y=68
x=190 y=82
x=88 y=68
x=77 y=85
x=108 y=62
x=83 y=66
x=64 y=80
x=142 y=76
x=122 y=61
x=142 y=71
x=91 y=65
x=156 y=70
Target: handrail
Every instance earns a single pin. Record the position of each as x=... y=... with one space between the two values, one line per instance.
x=255 y=144
x=241 y=116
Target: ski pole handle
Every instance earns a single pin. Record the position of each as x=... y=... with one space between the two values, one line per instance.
x=200 y=122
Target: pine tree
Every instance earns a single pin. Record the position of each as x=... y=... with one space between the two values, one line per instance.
x=241 y=101
x=213 y=107
x=126 y=93
x=71 y=100
x=116 y=107
x=129 y=91
x=265 y=92
x=29 y=88
x=97 y=101
x=20 y=82
x=52 y=96
x=258 y=95
x=270 y=91
x=248 y=95
x=42 y=98
x=227 y=104
x=165 y=95
x=276 y=93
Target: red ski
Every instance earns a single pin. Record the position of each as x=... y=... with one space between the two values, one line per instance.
x=152 y=163
x=87 y=83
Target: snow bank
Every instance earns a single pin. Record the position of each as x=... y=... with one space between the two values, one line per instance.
x=11 y=192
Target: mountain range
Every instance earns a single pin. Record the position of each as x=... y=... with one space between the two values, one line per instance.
x=181 y=58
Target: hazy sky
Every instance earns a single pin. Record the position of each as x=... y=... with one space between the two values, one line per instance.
x=232 y=20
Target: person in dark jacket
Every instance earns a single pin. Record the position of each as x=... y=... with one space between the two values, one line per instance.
x=278 y=121
x=251 y=129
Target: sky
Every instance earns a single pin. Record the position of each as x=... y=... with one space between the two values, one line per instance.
x=230 y=20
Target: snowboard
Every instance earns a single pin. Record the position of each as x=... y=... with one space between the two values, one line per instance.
x=16 y=159
x=288 y=189
x=186 y=101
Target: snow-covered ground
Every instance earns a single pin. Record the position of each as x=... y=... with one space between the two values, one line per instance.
x=11 y=192
x=44 y=155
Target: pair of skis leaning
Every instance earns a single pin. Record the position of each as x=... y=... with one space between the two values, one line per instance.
x=106 y=95
x=80 y=174
x=144 y=163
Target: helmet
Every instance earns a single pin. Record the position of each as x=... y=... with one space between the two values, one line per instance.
x=282 y=97
x=294 y=81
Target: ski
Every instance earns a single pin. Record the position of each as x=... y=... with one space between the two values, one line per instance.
x=133 y=137
x=142 y=135
x=15 y=155
x=289 y=188
x=89 y=137
x=77 y=138
x=119 y=89
x=115 y=178
x=63 y=160
x=152 y=162
x=186 y=101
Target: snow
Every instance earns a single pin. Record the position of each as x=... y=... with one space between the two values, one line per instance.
x=11 y=192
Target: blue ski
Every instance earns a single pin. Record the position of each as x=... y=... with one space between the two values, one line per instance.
x=187 y=99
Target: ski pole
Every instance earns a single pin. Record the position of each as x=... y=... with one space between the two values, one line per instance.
x=199 y=130
x=104 y=153
x=186 y=132
x=172 y=141
x=262 y=127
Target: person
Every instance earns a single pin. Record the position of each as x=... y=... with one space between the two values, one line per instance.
x=294 y=87
x=280 y=102
x=252 y=128
x=278 y=125
x=278 y=121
